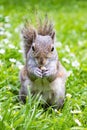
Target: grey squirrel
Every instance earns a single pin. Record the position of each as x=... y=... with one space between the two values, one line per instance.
x=42 y=72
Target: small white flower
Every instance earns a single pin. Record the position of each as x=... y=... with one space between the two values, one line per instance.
x=6 y=40
x=67 y=49
x=7 y=19
x=19 y=65
x=9 y=110
x=2 y=29
x=78 y=122
x=80 y=43
x=1 y=45
x=1 y=63
x=2 y=32
x=75 y=111
x=55 y=110
x=69 y=73
x=1 y=118
x=7 y=25
x=58 y=44
x=8 y=87
x=66 y=60
x=72 y=55
x=75 y=64
x=2 y=51
x=8 y=34
x=12 y=60
x=20 y=51
x=21 y=43
x=62 y=51
x=11 y=46
x=17 y=29
x=68 y=95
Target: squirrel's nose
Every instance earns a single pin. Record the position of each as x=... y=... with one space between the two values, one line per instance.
x=41 y=61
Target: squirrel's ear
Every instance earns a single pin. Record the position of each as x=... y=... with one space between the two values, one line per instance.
x=24 y=33
x=34 y=35
x=53 y=35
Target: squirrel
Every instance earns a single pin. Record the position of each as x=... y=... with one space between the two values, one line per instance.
x=42 y=73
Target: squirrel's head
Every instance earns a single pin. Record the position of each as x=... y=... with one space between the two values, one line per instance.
x=43 y=48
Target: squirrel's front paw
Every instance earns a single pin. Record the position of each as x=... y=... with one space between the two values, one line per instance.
x=38 y=72
x=46 y=73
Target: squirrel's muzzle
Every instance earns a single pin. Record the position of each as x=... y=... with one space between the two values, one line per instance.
x=42 y=61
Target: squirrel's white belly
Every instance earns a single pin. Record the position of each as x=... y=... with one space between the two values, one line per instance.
x=42 y=86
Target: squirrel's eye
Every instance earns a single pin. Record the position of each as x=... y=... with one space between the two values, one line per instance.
x=52 y=49
x=33 y=48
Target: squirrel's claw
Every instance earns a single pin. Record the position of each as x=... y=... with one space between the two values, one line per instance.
x=38 y=72
x=46 y=73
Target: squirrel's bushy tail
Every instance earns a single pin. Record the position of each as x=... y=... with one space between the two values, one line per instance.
x=28 y=33
x=43 y=28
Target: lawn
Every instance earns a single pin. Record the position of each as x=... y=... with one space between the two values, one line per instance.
x=70 y=20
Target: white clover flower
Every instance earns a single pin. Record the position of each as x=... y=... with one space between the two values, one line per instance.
x=2 y=29
x=1 y=63
x=80 y=43
x=62 y=50
x=7 y=19
x=2 y=51
x=75 y=64
x=6 y=40
x=75 y=111
x=12 y=60
x=69 y=73
x=1 y=118
x=8 y=87
x=67 y=49
x=7 y=25
x=21 y=43
x=19 y=65
x=68 y=95
x=11 y=46
x=2 y=32
x=9 y=110
x=78 y=122
x=66 y=60
x=16 y=30
x=1 y=45
x=8 y=34
x=72 y=55
x=58 y=44
x=55 y=110
x=20 y=51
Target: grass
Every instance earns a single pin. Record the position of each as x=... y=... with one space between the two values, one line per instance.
x=70 y=18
